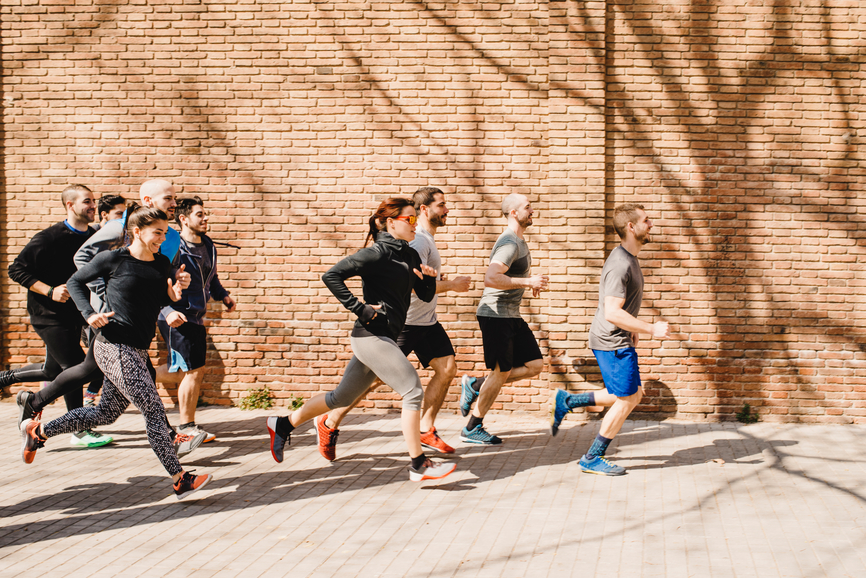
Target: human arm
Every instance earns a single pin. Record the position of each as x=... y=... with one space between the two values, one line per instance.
x=25 y=269
x=108 y=237
x=496 y=278
x=614 y=313
x=458 y=284
x=352 y=266
x=425 y=286
x=101 y=266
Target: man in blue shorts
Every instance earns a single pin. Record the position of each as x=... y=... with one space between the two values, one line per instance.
x=613 y=337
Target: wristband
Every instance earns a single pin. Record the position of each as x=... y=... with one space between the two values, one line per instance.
x=51 y=293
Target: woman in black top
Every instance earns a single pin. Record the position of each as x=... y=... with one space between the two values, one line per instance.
x=390 y=270
x=138 y=285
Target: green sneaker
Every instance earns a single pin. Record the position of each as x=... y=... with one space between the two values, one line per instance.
x=89 y=439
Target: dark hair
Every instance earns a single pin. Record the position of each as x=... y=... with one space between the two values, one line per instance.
x=623 y=215
x=143 y=217
x=108 y=202
x=388 y=209
x=185 y=207
x=423 y=197
x=71 y=193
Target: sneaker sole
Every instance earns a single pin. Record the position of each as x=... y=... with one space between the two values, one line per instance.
x=611 y=474
x=426 y=477
x=185 y=495
x=450 y=450
x=25 y=455
x=470 y=441
x=92 y=445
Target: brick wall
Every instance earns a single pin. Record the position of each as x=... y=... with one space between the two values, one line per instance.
x=738 y=124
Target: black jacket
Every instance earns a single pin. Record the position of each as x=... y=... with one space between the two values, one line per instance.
x=387 y=276
x=48 y=258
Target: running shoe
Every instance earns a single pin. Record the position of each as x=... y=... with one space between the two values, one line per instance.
x=468 y=395
x=89 y=399
x=196 y=430
x=30 y=440
x=479 y=435
x=277 y=442
x=184 y=444
x=432 y=441
x=188 y=483
x=89 y=439
x=431 y=471
x=600 y=465
x=25 y=410
x=558 y=409
x=326 y=438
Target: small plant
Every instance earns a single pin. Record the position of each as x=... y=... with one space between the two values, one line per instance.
x=260 y=398
x=295 y=402
x=746 y=416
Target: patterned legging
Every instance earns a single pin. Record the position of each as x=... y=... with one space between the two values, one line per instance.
x=127 y=378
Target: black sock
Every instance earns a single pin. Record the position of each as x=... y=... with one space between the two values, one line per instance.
x=187 y=425
x=473 y=422
x=478 y=383
x=284 y=427
x=419 y=461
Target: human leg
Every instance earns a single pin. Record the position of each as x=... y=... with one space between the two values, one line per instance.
x=444 y=370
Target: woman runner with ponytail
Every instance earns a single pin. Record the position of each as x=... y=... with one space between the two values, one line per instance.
x=138 y=285
x=390 y=270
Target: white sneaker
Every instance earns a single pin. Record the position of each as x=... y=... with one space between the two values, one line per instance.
x=431 y=471
x=184 y=444
x=89 y=439
x=194 y=431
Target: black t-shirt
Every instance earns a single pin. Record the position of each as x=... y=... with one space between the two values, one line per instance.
x=135 y=291
x=48 y=258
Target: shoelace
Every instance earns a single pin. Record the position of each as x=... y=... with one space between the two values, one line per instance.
x=332 y=438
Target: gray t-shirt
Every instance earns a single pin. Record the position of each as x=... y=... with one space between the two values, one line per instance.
x=620 y=277
x=421 y=312
x=513 y=252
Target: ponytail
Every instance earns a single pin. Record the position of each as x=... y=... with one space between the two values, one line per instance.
x=388 y=209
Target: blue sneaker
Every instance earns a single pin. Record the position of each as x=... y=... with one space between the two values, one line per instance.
x=600 y=465
x=558 y=409
x=479 y=435
x=467 y=394
x=277 y=442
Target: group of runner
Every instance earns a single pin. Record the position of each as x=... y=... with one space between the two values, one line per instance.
x=137 y=273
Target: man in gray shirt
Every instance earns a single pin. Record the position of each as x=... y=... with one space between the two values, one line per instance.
x=422 y=333
x=511 y=352
x=612 y=338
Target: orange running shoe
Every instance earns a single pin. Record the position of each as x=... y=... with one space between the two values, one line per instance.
x=327 y=438
x=432 y=441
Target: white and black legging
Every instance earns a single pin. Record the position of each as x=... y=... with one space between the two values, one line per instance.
x=127 y=378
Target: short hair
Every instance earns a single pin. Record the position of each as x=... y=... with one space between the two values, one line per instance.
x=511 y=202
x=423 y=197
x=108 y=202
x=185 y=207
x=623 y=215
x=71 y=193
x=153 y=187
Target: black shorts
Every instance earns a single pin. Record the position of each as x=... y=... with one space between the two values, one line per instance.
x=187 y=345
x=427 y=341
x=508 y=342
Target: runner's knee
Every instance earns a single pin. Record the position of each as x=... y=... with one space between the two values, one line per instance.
x=413 y=398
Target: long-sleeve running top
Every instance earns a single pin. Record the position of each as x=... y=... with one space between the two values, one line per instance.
x=387 y=276
x=135 y=291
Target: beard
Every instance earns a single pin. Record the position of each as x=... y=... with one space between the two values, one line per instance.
x=643 y=239
x=86 y=215
x=525 y=222
x=437 y=220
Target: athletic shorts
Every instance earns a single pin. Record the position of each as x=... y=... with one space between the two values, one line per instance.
x=427 y=341
x=619 y=371
x=508 y=342
x=187 y=345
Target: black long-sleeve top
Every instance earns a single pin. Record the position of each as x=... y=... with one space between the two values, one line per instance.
x=48 y=258
x=135 y=291
x=387 y=276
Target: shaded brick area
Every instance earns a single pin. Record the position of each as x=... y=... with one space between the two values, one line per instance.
x=738 y=125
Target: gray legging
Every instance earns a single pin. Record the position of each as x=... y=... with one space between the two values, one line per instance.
x=377 y=357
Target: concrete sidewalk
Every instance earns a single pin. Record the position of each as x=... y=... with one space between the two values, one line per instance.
x=789 y=500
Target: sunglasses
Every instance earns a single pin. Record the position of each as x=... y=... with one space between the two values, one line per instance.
x=411 y=219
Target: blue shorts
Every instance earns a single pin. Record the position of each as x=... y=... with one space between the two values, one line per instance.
x=619 y=371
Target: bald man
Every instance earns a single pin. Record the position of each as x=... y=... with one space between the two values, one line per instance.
x=511 y=352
